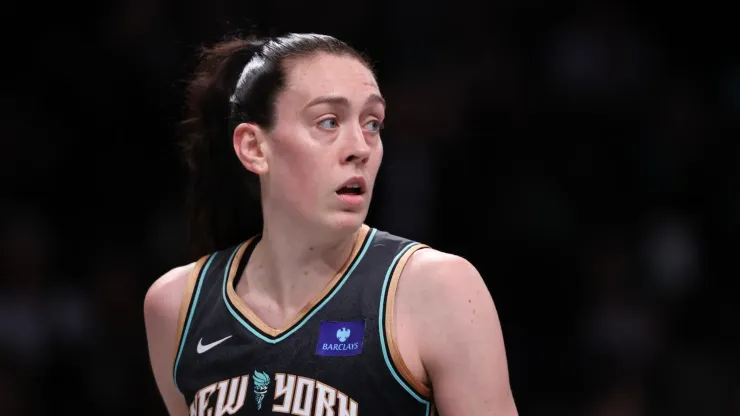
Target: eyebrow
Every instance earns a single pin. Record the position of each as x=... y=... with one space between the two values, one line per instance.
x=343 y=101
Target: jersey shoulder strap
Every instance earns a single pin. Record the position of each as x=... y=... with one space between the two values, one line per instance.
x=202 y=276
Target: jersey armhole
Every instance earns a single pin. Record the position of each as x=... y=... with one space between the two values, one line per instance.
x=185 y=307
x=388 y=325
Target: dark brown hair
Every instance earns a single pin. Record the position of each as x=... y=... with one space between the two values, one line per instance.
x=236 y=81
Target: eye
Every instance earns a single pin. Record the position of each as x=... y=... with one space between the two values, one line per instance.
x=329 y=123
x=374 y=125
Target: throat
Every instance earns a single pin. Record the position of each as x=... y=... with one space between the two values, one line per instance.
x=268 y=311
x=276 y=286
x=278 y=303
x=280 y=300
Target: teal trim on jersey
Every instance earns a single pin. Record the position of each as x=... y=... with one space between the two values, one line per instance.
x=305 y=319
x=193 y=304
x=381 y=320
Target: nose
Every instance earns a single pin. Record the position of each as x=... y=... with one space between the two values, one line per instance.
x=357 y=149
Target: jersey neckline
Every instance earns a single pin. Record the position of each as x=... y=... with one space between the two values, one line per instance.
x=254 y=323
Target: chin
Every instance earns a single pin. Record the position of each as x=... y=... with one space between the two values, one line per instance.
x=347 y=221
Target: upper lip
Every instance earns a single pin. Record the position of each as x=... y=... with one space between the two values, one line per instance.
x=355 y=180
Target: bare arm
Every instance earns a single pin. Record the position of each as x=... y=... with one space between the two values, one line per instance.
x=161 y=313
x=458 y=336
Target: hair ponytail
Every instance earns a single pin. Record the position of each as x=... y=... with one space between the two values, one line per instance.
x=221 y=209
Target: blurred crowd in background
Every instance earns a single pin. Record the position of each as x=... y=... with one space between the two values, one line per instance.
x=583 y=155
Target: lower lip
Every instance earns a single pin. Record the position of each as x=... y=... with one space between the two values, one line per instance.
x=351 y=199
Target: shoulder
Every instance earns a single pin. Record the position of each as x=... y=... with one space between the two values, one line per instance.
x=448 y=300
x=164 y=297
x=433 y=273
x=164 y=305
x=449 y=332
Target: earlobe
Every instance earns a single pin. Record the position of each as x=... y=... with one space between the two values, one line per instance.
x=248 y=140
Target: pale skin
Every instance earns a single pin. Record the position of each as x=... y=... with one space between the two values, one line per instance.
x=446 y=325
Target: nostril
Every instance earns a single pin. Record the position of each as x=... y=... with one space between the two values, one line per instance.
x=355 y=158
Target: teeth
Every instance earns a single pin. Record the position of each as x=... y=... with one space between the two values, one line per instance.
x=353 y=186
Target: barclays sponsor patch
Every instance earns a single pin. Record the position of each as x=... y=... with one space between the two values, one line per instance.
x=340 y=338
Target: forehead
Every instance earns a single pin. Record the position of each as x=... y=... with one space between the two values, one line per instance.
x=325 y=75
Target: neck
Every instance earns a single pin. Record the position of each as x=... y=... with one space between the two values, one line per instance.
x=290 y=268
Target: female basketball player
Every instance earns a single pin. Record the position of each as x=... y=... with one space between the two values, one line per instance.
x=318 y=314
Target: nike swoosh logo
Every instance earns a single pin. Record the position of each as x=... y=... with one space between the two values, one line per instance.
x=203 y=348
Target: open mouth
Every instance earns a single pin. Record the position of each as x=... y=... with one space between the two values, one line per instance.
x=354 y=186
x=350 y=190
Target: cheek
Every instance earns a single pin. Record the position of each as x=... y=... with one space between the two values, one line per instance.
x=298 y=170
x=374 y=163
x=380 y=153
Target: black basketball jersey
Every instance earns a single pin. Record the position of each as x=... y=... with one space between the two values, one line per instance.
x=337 y=358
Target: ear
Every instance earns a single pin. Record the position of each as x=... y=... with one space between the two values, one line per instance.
x=248 y=145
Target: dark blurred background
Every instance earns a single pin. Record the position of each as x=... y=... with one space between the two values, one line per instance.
x=583 y=155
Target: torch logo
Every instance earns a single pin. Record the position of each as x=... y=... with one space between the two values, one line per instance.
x=261 y=381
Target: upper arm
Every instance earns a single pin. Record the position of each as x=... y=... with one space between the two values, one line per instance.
x=162 y=310
x=459 y=336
